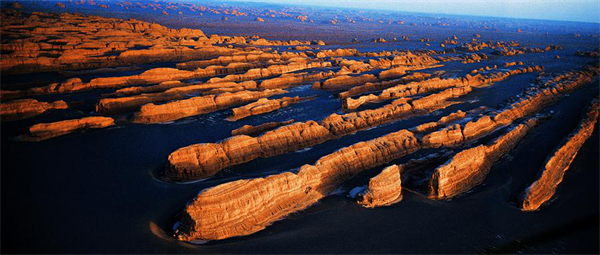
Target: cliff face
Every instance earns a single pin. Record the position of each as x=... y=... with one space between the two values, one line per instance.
x=553 y=172
x=256 y=203
x=469 y=167
x=27 y=108
x=43 y=131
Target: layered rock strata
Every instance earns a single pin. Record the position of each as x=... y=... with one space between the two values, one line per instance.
x=192 y=162
x=384 y=189
x=130 y=103
x=261 y=201
x=433 y=84
x=469 y=167
x=554 y=170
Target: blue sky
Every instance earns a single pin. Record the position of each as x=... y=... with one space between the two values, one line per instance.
x=569 y=10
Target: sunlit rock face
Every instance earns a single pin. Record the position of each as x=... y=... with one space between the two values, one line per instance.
x=553 y=171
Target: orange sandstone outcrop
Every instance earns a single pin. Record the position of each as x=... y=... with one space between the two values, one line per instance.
x=433 y=84
x=553 y=172
x=198 y=161
x=261 y=201
x=430 y=126
x=43 y=131
x=58 y=42
x=532 y=101
x=369 y=86
x=384 y=189
x=252 y=130
x=293 y=79
x=27 y=108
x=469 y=167
x=177 y=91
x=345 y=82
x=265 y=105
x=152 y=113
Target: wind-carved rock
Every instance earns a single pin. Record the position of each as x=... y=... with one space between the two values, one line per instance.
x=433 y=84
x=384 y=189
x=27 y=108
x=152 y=113
x=265 y=105
x=43 y=131
x=469 y=167
x=252 y=130
x=257 y=203
x=553 y=171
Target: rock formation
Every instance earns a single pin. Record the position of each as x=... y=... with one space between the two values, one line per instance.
x=252 y=130
x=553 y=171
x=264 y=105
x=43 y=131
x=152 y=113
x=27 y=108
x=384 y=189
x=469 y=167
x=261 y=201
x=433 y=84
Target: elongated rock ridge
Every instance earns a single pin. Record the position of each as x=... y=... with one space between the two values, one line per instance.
x=469 y=167
x=198 y=161
x=246 y=206
x=252 y=130
x=433 y=84
x=27 y=108
x=152 y=113
x=264 y=105
x=553 y=172
x=43 y=131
